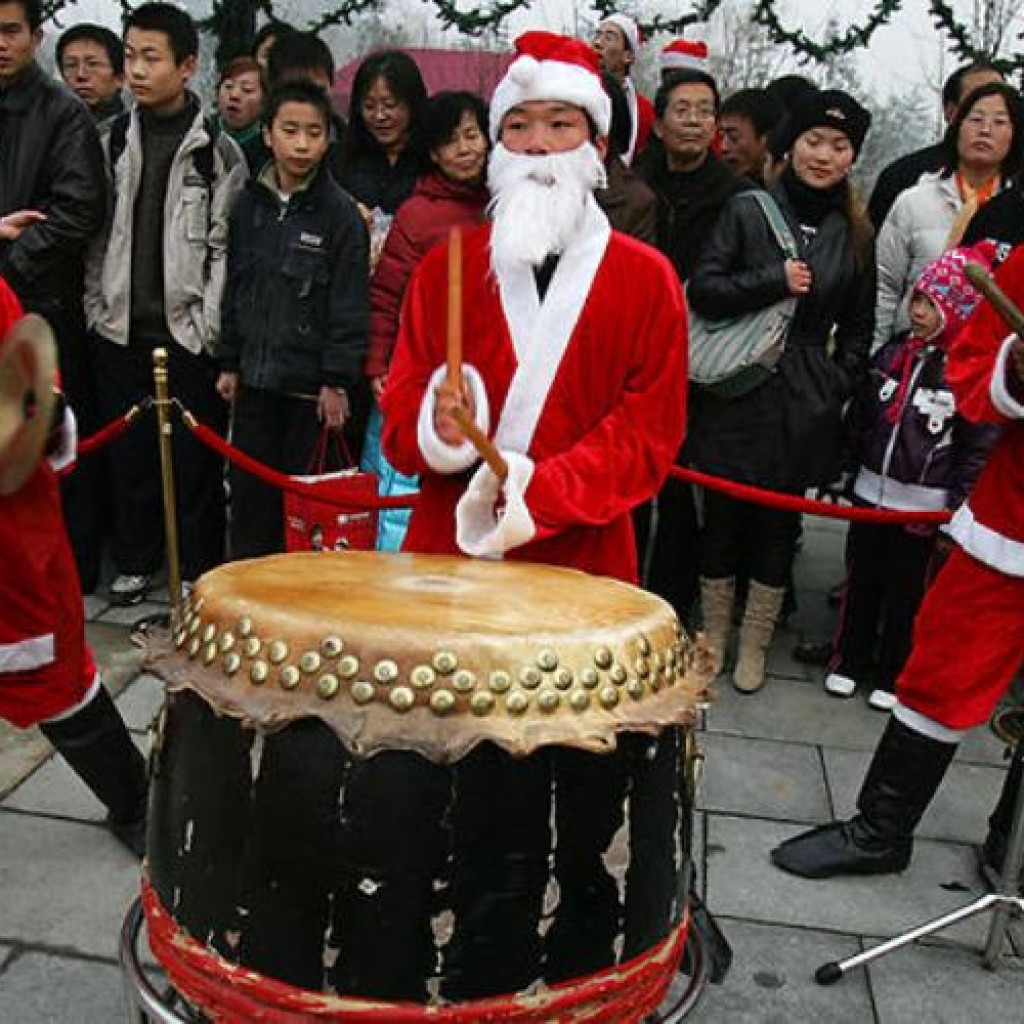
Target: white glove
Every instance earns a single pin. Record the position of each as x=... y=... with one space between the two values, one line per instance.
x=481 y=528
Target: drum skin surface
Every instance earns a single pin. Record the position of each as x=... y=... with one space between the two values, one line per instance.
x=330 y=836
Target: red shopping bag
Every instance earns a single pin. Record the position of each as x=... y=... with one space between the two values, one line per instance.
x=341 y=516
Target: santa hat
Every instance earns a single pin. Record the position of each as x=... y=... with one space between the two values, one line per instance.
x=550 y=67
x=946 y=284
x=684 y=55
x=628 y=27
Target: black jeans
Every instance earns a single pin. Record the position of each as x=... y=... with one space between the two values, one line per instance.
x=886 y=576
x=738 y=535
x=125 y=376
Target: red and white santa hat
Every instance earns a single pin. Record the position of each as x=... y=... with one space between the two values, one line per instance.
x=550 y=67
x=684 y=55
x=628 y=27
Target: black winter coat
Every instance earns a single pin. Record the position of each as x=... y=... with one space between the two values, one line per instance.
x=296 y=303
x=787 y=434
x=50 y=160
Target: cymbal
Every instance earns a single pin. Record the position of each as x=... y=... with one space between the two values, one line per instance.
x=28 y=362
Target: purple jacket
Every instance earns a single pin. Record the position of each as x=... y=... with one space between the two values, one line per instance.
x=928 y=456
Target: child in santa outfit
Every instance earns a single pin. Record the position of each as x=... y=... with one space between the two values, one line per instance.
x=968 y=636
x=911 y=451
x=47 y=673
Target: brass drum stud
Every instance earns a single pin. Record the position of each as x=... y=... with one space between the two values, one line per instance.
x=579 y=700
x=232 y=662
x=209 y=632
x=244 y=626
x=253 y=646
x=563 y=678
x=548 y=701
x=642 y=668
x=310 y=662
x=608 y=696
x=589 y=677
x=463 y=681
x=547 y=660
x=289 y=677
x=180 y=637
x=193 y=626
x=193 y=646
x=644 y=644
x=635 y=689
x=198 y=604
x=258 y=672
x=603 y=657
x=209 y=653
x=445 y=662
x=500 y=681
x=362 y=691
x=327 y=686
x=618 y=674
x=658 y=661
x=385 y=671
x=517 y=702
x=332 y=646
x=530 y=677
x=348 y=667
x=227 y=641
x=482 y=703
x=442 y=702
x=278 y=652
x=401 y=698
x=422 y=677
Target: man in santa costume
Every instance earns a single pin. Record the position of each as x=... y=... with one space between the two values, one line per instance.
x=575 y=345
x=47 y=673
x=617 y=42
x=969 y=632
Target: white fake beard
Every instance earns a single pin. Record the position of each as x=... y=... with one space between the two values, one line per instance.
x=539 y=202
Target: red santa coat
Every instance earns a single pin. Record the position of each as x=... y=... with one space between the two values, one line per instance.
x=641 y=116
x=45 y=666
x=587 y=389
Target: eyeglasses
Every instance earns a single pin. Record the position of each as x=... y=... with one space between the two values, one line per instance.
x=90 y=66
x=700 y=113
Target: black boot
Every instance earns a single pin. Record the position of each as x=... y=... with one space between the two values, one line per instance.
x=1001 y=821
x=95 y=742
x=901 y=781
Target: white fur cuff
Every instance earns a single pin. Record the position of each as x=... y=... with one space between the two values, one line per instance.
x=66 y=452
x=997 y=389
x=440 y=456
x=482 y=531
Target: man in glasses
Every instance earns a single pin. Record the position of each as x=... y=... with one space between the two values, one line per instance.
x=91 y=62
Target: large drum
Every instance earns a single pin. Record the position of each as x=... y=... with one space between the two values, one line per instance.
x=404 y=787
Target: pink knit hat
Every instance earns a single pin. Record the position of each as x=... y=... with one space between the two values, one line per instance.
x=946 y=284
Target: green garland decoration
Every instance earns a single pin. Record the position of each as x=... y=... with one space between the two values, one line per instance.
x=855 y=37
x=478 y=20
x=963 y=45
x=698 y=13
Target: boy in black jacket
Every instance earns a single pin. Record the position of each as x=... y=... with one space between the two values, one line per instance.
x=295 y=310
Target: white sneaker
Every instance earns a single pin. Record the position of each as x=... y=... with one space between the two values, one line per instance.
x=882 y=700
x=840 y=686
x=130 y=588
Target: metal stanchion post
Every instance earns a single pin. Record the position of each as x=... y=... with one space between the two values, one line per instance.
x=165 y=429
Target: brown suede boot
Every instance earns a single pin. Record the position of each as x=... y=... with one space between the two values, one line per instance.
x=756 y=631
x=716 y=597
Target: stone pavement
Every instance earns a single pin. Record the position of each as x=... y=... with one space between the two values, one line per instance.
x=776 y=762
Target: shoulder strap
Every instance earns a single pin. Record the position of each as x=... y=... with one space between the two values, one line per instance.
x=118 y=139
x=777 y=222
x=202 y=159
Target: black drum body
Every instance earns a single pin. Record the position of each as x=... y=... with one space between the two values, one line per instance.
x=394 y=877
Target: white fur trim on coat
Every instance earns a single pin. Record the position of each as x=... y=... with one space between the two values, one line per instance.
x=440 y=456
x=26 y=655
x=997 y=389
x=94 y=688
x=67 y=450
x=926 y=726
x=989 y=547
x=482 y=531
x=529 y=79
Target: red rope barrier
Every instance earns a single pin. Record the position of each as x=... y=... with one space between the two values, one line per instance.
x=110 y=432
x=230 y=994
x=330 y=491
x=796 y=503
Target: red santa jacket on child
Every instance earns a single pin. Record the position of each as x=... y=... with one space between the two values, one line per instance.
x=46 y=668
x=584 y=393
x=989 y=526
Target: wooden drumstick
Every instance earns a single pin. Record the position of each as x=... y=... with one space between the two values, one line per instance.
x=453 y=362
x=486 y=448
x=1001 y=302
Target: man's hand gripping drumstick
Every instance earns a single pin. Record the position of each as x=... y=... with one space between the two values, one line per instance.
x=454 y=413
x=1004 y=306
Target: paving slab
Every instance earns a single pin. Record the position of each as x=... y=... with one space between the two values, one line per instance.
x=95 y=605
x=141 y=701
x=743 y=883
x=945 y=986
x=958 y=813
x=128 y=615
x=771 y=980
x=63 y=884
x=37 y=988
x=766 y=778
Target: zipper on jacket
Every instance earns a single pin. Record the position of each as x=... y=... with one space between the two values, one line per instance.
x=891 y=446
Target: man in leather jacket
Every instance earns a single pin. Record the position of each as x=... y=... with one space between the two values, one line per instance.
x=52 y=200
